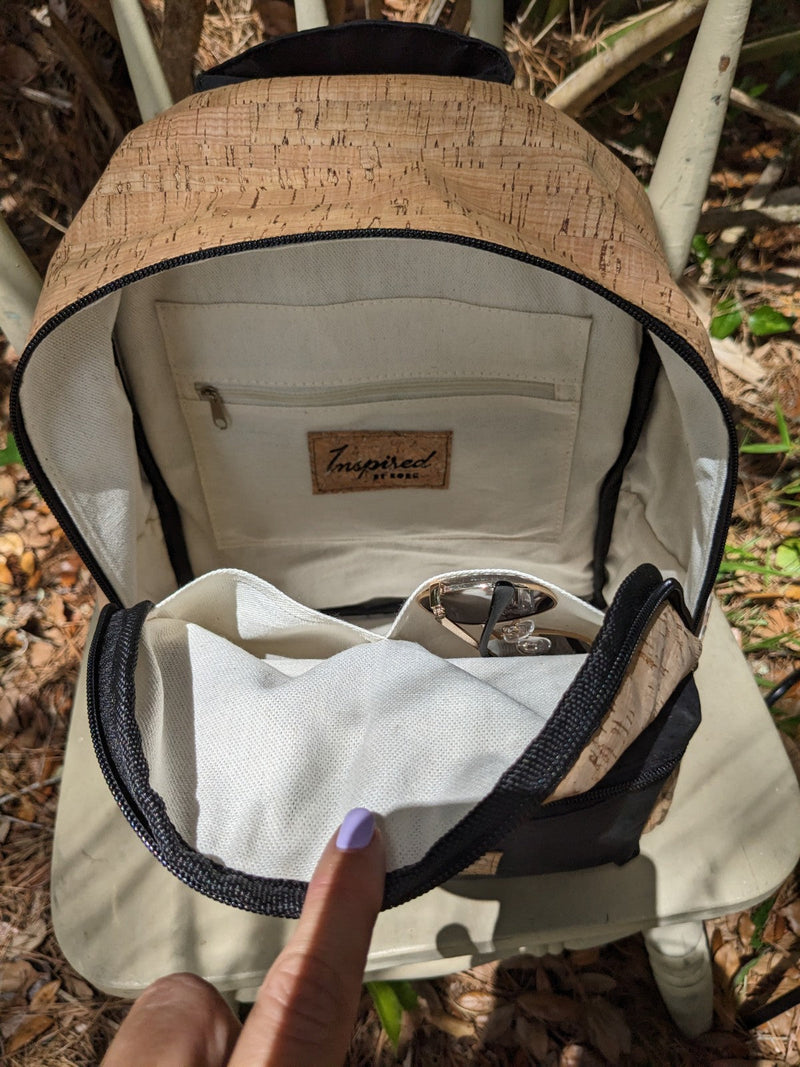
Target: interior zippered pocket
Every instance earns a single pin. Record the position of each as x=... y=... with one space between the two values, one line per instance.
x=219 y=396
x=507 y=469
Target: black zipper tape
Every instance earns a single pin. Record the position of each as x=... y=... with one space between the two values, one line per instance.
x=641 y=399
x=166 y=504
x=658 y=328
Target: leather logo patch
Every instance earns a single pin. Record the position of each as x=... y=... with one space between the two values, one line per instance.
x=350 y=462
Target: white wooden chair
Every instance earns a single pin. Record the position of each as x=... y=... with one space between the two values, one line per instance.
x=731 y=836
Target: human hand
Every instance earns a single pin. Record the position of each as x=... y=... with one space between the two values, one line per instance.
x=306 y=1006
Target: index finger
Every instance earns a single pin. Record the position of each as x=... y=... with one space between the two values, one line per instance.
x=307 y=1004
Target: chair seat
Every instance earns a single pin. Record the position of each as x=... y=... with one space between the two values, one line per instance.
x=731 y=837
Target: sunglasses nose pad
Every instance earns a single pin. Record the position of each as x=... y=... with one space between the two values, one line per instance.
x=501 y=598
x=514 y=632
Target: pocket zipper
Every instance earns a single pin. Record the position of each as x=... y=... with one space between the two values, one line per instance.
x=364 y=393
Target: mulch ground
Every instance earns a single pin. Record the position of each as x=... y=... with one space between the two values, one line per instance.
x=59 y=121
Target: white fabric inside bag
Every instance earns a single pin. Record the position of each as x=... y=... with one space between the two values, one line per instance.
x=263 y=722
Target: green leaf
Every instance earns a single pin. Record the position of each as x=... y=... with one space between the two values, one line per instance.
x=727 y=318
x=767 y=320
x=701 y=247
x=765 y=449
x=787 y=555
x=783 y=429
x=407 y=995
x=759 y=915
x=10 y=454
x=723 y=326
x=389 y=1008
x=741 y=974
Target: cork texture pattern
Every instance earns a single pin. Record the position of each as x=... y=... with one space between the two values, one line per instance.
x=666 y=655
x=356 y=461
x=273 y=159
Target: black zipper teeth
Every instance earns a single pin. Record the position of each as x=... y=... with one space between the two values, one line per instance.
x=680 y=346
x=635 y=785
x=131 y=814
x=92 y=707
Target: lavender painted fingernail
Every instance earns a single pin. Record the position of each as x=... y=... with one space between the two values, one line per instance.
x=356 y=830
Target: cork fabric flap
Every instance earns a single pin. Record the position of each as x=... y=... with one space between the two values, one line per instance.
x=667 y=653
x=314 y=155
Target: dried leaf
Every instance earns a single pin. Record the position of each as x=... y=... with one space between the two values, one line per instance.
x=549 y=1006
x=11 y=544
x=25 y=809
x=578 y=1056
x=454 y=1027
x=39 y=654
x=8 y=488
x=498 y=1025
x=792 y=915
x=78 y=988
x=477 y=1003
x=27 y=562
x=17 y=976
x=532 y=1035
x=45 y=996
x=584 y=957
x=597 y=983
x=728 y=960
x=607 y=1029
x=746 y=928
x=775 y=928
x=31 y=1027
x=30 y=938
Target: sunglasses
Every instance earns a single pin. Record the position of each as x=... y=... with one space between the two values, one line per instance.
x=502 y=616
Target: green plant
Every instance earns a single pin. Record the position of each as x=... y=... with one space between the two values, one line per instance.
x=720 y=268
x=391 y=999
x=729 y=315
x=10 y=454
x=786 y=446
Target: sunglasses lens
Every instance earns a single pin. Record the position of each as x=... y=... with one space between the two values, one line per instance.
x=470 y=607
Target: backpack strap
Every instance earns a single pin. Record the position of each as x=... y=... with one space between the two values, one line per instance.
x=365 y=47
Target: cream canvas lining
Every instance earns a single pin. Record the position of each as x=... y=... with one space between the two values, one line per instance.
x=231 y=650
x=671 y=494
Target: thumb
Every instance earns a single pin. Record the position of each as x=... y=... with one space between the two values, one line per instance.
x=307 y=1004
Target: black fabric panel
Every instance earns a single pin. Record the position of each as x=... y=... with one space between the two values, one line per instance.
x=605 y=824
x=641 y=398
x=167 y=507
x=365 y=47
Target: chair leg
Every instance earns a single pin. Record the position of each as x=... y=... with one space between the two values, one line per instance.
x=681 y=963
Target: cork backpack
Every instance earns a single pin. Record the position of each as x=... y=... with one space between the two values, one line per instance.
x=361 y=385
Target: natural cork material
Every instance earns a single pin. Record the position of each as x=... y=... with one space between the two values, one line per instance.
x=290 y=156
x=668 y=653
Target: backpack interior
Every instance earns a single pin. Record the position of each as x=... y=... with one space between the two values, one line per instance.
x=527 y=372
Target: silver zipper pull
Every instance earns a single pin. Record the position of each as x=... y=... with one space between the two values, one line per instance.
x=212 y=395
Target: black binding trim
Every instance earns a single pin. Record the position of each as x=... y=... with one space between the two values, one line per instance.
x=115 y=734
x=166 y=504
x=365 y=47
x=641 y=399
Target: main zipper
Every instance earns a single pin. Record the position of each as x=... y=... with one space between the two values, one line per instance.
x=677 y=343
